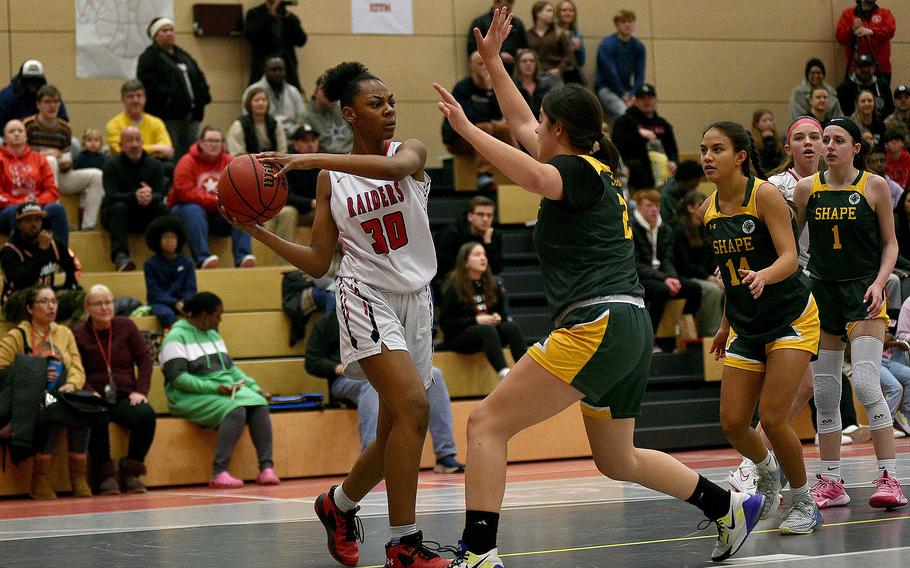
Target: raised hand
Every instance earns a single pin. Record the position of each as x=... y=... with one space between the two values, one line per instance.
x=451 y=109
x=490 y=45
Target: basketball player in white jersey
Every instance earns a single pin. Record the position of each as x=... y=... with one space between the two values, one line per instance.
x=374 y=201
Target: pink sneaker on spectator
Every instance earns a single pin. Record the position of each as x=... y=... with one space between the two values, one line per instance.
x=888 y=493
x=267 y=477
x=829 y=493
x=225 y=480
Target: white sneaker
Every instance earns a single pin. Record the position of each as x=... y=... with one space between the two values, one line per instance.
x=744 y=479
x=248 y=261
x=211 y=261
x=900 y=420
x=898 y=433
x=769 y=485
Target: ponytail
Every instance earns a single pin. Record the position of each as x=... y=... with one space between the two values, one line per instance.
x=607 y=154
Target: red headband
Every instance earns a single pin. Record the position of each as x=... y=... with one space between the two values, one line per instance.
x=803 y=120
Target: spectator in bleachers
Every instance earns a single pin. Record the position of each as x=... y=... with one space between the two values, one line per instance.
x=17 y=100
x=475 y=95
x=92 y=154
x=902 y=334
x=298 y=209
x=819 y=103
x=32 y=257
x=866 y=116
x=900 y=118
x=689 y=174
x=133 y=195
x=335 y=134
x=621 y=61
x=194 y=198
x=641 y=130
x=175 y=85
x=257 y=130
x=118 y=367
x=567 y=21
x=800 y=103
x=532 y=84
x=517 y=38
x=156 y=140
x=323 y=359
x=52 y=136
x=694 y=260
x=552 y=45
x=272 y=30
x=866 y=31
x=864 y=78
x=285 y=100
x=894 y=374
x=26 y=176
x=39 y=336
x=767 y=140
x=170 y=277
x=204 y=386
x=877 y=163
x=898 y=157
x=653 y=241
x=475 y=311
x=475 y=226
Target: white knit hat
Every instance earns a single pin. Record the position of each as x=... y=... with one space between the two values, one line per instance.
x=157 y=24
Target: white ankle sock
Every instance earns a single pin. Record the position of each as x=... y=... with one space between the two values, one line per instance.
x=768 y=464
x=831 y=469
x=889 y=465
x=800 y=492
x=342 y=501
x=397 y=532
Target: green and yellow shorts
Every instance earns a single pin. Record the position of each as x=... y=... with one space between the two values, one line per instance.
x=750 y=355
x=604 y=351
x=840 y=304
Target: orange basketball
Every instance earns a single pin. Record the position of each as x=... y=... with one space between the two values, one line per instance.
x=249 y=191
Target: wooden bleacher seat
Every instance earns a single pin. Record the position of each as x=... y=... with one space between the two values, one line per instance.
x=465 y=173
x=516 y=205
x=306 y=444
x=669 y=321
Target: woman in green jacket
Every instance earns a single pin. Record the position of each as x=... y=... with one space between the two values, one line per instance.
x=204 y=386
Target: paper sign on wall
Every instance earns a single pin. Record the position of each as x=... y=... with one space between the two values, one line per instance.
x=382 y=17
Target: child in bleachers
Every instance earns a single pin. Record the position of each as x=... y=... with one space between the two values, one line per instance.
x=170 y=277
x=92 y=154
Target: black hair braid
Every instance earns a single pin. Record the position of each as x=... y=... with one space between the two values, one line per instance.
x=753 y=165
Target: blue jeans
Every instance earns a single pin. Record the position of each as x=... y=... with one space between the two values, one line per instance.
x=895 y=376
x=366 y=398
x=199 y=224
x=55 y=221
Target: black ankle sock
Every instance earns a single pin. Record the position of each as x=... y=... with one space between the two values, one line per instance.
x=480 y=528
x=710 y=498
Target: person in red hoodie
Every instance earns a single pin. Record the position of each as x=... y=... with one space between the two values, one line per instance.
x=24 y=176
x=898 y=157
x=867 y=29
x=193 y=198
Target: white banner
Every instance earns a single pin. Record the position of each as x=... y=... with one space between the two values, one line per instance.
x=111 y=34
x=382 y=17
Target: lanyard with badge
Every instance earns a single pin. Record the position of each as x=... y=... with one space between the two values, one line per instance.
x=110 y=389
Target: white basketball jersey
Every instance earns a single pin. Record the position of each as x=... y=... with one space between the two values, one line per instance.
x=786 y=185
x=384 y=230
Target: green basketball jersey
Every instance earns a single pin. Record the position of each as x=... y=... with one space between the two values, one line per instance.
x=583 y=241
x=743 y=241
x=844 y=240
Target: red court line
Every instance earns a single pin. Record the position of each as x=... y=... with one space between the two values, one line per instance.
x=308 y=489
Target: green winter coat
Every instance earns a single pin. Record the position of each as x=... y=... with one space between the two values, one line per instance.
x=195 y=364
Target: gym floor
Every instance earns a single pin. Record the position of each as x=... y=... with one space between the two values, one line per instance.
x=557 y=514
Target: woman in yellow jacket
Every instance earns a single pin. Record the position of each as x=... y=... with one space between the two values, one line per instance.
x=41 y=336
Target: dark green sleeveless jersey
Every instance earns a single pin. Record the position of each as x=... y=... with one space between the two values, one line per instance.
x=844 y=240
x=743 y=241
x=583 y=241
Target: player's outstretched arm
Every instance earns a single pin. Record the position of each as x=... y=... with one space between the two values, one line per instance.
x=315 y=258
x=409 y=160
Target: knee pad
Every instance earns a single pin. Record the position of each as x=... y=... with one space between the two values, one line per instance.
x=866 y=354
x=826 y=385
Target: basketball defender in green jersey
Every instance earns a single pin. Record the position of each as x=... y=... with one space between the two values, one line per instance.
x=853 y=250
x=770 y=327
x=599 y=354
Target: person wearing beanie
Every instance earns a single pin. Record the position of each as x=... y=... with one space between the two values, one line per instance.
x=815 y=74
x=175 y=85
